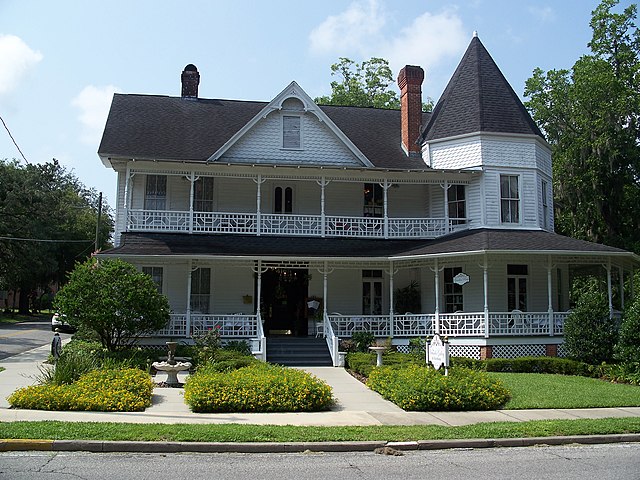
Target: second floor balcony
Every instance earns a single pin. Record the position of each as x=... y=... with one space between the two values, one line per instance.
x=141 y=220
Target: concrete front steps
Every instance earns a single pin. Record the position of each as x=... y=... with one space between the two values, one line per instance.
x=298 y=351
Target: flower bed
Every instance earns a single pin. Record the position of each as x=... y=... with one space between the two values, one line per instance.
x=256 y=388
x=422 y=388
x=102 y=390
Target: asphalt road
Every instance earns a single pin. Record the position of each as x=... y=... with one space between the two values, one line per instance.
x=611 y=461
x=20 y=337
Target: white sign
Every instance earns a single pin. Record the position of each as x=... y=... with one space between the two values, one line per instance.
x=461 y=279
x=439 y=353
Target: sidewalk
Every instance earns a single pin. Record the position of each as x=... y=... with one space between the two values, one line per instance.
x=356 y=405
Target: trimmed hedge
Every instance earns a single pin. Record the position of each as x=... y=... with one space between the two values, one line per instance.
x=422 y=388
x=257 y=388
x=563 y=366
x=103 y=390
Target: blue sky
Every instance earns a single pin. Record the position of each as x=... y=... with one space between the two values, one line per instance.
x=61 y=62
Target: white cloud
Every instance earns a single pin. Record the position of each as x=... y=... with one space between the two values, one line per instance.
x=93 y=103
x=355 y=28
x=430 y=39
x=16 y=60
x=543 y=14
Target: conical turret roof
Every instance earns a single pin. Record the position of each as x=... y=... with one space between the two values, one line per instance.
x=478 y=99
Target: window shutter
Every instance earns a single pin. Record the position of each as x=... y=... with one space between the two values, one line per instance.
x=290 y=132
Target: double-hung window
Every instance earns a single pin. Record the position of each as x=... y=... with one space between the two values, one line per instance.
x=457 y=204
x=453 y=299
x=203 y=195
x=545 y=204
x=373 y=200
x=517 y=287
x=371 y=292
x=155 y=197
x=200 y=290
x=156 y=275
x=509 y=199
x=291 y=131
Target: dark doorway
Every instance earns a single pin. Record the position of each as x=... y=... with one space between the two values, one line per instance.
x=284 y=291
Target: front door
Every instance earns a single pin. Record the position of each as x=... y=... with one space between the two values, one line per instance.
x=283 y=301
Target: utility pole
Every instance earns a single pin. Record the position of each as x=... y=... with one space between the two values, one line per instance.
x=98 y=220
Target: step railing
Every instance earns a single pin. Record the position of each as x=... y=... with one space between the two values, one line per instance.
x=333 y=342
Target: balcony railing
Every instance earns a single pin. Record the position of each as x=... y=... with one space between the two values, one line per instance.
x=419 y=325
x=290 y=224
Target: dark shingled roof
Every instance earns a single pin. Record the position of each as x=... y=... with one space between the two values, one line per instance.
x=481 y=240
x=175 y=128
x=478 y=99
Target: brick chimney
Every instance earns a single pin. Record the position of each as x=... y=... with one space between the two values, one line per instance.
x=410 y=83
x=190 y=81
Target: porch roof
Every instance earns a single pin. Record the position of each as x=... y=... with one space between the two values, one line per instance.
x=462 y=243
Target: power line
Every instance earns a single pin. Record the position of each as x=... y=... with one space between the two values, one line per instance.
x=13 y=139
x=18 y=239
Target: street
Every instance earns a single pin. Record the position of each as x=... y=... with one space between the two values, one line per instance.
x=611 y=461
x=19 y=337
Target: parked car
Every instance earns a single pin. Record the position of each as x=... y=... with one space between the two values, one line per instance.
x=58 y=322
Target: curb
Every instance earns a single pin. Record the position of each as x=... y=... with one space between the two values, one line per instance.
x=99 y=446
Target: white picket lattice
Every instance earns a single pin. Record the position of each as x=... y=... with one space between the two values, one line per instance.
x=469 y=351
x=514 y=351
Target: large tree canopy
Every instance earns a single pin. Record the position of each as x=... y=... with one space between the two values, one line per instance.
x=364 y=84
x=47 y=224
x=115 y=300
x=590 y=115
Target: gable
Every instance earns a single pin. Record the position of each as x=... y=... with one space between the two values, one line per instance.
x=266 y=143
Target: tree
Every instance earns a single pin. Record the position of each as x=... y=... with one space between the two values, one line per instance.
x=47 y=223
x=364 y=84
x=628 y=346
x=114 y=300
x=590 y=115
x=589 y=331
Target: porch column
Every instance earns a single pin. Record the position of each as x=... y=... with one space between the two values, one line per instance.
x=446 y=206
x=192 y=179
x=385 y=188
x=325 y=272
x=259 y=181
x=259 y=288
x=485 y=286
x=189 y=270
x=608 y=267
x=550 y=295
x=323 y=220
x=621 y=273
x=437 y=290
x=127 y=197
x=391 y=320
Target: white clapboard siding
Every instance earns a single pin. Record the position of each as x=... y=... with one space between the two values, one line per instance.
x=409 y=201
x=229 y=285
x=235 y=194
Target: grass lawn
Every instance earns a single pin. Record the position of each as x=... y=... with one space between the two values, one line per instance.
x=16 y=318
x=55 y=430
x=540 y=390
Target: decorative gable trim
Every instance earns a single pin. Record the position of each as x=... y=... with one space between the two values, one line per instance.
x=293 y=90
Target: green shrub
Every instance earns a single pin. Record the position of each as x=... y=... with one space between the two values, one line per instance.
x=241 y=346
x=207 y=344
x=227 y=360
x=363 y=363
x=589 y=332
x=628 y=372
x=467 y=362
x=362 y=340
x=422 y=388
x=628 y=346
x=103 y=390
x=260 y=387
x=69 y=367
x=563 y=366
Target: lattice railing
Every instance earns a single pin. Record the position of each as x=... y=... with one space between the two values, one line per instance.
x=217 y=222
x=413 y=325
x=346 y=325
x=519 y=323
x=354 y=226
x=228 y=325
x=309 y=225
x=462 y=324
x=176 y=327
x=158 y=220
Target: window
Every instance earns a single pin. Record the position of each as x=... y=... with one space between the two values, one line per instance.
x=373 y=200
x=457 y=204
x=291 y=132
x=283 y=200
x=156 y=275
x=453 y=300
x=509 y=199
x=200 y=290
x=545 y=205
x=155 y=197
x=372 y=292
x=203 y=194
x=517 y=287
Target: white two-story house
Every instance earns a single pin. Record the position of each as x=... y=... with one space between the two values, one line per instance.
x=250 y=214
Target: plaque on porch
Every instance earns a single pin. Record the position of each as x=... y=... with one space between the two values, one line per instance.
x=461 y=279
x=438 y=351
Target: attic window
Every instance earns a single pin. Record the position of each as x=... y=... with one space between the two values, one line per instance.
x=291 y=132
